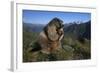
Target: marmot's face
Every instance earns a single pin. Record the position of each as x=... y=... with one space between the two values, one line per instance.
x=60 y=31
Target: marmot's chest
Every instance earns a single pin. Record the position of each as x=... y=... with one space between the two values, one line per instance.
x=54 y=45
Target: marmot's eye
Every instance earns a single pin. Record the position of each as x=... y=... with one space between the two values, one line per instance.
x=62 y=26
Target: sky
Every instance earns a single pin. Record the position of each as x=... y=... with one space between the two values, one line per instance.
x=44 y=17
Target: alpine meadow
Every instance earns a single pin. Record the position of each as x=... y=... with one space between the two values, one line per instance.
x=75 y=44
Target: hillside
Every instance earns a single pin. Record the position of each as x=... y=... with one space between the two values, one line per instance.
x=76 y=44
x=32 y=27
x=79 y=30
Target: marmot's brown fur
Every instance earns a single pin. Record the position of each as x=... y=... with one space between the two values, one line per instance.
x=50 y=38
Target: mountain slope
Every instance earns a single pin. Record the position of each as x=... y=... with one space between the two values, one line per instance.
x=32 y=27
x=82 y=30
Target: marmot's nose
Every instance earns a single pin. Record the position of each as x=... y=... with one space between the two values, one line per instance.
x=61 y=31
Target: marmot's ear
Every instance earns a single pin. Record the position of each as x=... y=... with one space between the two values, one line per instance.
x=52 y=33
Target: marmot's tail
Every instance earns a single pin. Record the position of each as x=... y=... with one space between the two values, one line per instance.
x=35 y=47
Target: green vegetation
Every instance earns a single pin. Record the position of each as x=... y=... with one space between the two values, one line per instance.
x=73 y=49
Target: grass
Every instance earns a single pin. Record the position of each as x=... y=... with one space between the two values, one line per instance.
x=72 y=50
